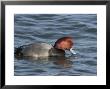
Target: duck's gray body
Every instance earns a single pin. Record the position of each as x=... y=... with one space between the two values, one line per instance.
x=38 y=50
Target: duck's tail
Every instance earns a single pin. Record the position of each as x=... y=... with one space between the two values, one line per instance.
x=18 y=51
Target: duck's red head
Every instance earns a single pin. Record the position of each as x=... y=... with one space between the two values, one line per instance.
x=64 y=43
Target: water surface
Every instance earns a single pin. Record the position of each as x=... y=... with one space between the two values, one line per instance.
x=30 y=28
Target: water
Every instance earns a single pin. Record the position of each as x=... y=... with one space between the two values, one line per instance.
x=30 y=28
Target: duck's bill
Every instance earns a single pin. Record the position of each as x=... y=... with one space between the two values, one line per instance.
x=72 y=51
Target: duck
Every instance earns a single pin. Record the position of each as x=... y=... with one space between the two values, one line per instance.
x=37 y=50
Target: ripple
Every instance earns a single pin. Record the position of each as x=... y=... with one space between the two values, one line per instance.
x=30 y=28
x=85 y=71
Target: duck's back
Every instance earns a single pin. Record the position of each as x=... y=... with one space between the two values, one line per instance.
x=34 y=50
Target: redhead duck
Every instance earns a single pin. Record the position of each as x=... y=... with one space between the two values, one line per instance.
x=44 y=50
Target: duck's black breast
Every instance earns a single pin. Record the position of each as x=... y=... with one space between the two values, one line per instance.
x=56 y=52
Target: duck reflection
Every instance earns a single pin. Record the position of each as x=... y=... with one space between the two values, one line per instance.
x=62 y=61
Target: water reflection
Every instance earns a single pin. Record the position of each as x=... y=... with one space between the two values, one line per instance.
x=62 y=61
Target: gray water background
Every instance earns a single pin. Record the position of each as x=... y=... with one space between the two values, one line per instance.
x=31 y=28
